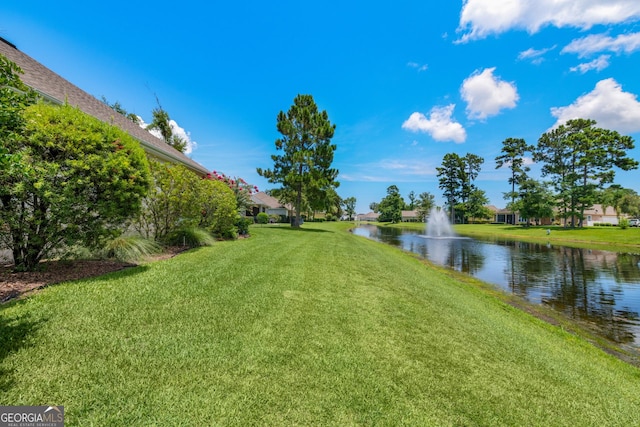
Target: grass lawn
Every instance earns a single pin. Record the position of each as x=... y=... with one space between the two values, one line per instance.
x=605 y=238
x=312 y=327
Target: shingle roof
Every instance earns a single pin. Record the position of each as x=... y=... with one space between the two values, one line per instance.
x=262 y=198
x=55 y=88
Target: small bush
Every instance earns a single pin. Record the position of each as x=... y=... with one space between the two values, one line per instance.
x=262 y=218
x=273 y=218
x=624 y=223
x=191 y=237
x=130 y=248
x=242 y=224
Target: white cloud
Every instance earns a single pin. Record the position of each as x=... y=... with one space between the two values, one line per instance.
x=597 y=64
x=607 y=104
x=481 y=18
x=359 y=177
x=439 y=124
x=526 y=161
x=390 y=170
x=186 y=136
x=177 y=130
x=535 y=55
x=419 y=67
x=407 y=167
x=486 y=94
x=594 y=43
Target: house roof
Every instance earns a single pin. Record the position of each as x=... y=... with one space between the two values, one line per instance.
x=410 y=214
x=368 y=216
x=597 y=209
x=55 y=88
x=263 y=199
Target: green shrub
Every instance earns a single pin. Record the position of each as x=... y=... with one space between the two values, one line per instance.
x=275 y=218
x=242 y=224
x=624 y=223
x=130 y=248
x=71 y=180
x=180 y=198
x=190 y=236
x=262 y=218
x=219 y=209
x=172 y=202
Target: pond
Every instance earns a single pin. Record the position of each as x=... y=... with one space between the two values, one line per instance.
x=599 y=287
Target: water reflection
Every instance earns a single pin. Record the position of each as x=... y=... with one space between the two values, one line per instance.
x=599 y=287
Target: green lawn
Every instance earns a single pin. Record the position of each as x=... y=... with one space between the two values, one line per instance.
x=312 y=327
x=605 y=238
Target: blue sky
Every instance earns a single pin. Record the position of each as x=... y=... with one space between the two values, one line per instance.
x=405 y=82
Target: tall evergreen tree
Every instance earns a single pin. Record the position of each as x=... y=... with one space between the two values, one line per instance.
x=581 y=157
x=472 y=166
x=556 y=159
x=535 y=200
x=350 y=207
x=452 y=177
x=305 y=165
x=426 y=201
x=412 y=200
x=391 y=206
x=513 y=151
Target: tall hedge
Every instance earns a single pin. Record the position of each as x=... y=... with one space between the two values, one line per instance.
x=78 y=181
x=179 y=198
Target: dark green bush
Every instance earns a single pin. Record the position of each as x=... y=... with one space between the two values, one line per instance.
x=275 y=218
x=262 y=218
x=242 y=224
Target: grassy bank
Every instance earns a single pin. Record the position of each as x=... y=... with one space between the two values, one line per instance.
x=605 y=238
x=312 y=327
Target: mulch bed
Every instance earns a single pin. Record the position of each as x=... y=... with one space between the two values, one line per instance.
x=16 y=284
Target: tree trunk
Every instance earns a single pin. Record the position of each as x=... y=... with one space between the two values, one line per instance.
x=453 y=212
x=298 y=218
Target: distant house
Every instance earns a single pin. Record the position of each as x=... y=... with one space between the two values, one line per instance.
x=370 y=217
x=55 y=89
x=505 y=216
x=600 y=215
x=262 y=202
x=597 y=214
x=410 y=216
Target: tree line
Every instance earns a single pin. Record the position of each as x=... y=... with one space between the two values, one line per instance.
x=577 y=159
x=391 y=206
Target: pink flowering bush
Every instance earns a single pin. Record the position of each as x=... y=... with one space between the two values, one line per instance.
x=241 y=188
